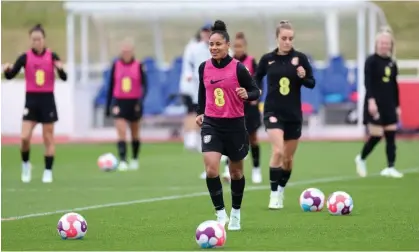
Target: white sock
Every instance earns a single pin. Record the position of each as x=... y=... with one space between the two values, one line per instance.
x=198 y=141
x=274 y=193
x=189 y=140
x=281 y=189
x=235 y=211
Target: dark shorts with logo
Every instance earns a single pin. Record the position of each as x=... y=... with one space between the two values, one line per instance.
x=128 y=109
x=40 y=107
x=233 y=144
x=292 y=130
x=253 y=118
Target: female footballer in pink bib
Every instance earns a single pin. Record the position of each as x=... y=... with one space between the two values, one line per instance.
x=40 y=64
x=126 y=94
x=225 y=84
x=251 y=109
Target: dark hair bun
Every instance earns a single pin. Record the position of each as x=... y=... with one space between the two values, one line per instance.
x=240 y=35
x=38 y=26
x=219 y=26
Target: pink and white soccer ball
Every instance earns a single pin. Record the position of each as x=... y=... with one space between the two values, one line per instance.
x=72 y=226
x=312 y=200
x=340 y=203
x=107 y=162
x=210 y=234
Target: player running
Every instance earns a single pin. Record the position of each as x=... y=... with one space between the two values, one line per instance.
x=224 y=85
x=126 y=93
x=381 y=107
x=251 y=110
x=39 y=63
x=287 y=71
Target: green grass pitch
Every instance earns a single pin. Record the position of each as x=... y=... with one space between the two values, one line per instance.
x=160 y=206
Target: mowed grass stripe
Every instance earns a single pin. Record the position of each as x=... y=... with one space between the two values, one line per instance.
x=191 y=195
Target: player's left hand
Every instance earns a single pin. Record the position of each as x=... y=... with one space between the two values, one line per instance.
x=242 y=93
x=58 y=64
x=301 y=72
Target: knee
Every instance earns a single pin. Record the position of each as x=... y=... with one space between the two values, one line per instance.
x=212 y=171
x=278 y=153
x=236 y=174
x=253 y=140
x=288 y=161
x=25 y=138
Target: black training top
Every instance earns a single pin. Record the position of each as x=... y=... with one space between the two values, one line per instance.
x=245 y=80
x=21 y=62
x=283 y=99
x=381 y=81
x=112 y=82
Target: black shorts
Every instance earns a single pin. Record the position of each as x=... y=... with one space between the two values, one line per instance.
x=190 y=105
x=40 y=107
x=128 y=109
x=234 y=145
x=292 y=130
x=253 y=118
x=387 y=117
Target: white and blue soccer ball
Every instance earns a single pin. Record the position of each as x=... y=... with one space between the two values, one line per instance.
x=210 y=234
x=312 y=200
x=107 y=162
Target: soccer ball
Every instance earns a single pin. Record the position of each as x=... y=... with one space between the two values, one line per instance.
x=340 y=203
x=72 y=226
x=312 y=200
x=210 y=234
x=107 y=162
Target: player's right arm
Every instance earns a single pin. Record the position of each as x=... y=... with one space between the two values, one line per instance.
x=261 y=72
x=110 y=90
x=201 y=95
x=10 y=71
x=187 y=64
x=369 y=89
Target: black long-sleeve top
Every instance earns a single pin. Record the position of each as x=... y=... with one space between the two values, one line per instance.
x=21 y=62
x=112 y=84
x=381 y=81
x=245 y=80
x=283 y=98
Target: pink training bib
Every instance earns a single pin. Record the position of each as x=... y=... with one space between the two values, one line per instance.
x=220 y=86
x=127 y=79
x=39 y=72
x=248 y=63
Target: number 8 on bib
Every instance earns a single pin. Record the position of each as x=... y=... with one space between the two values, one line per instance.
x=219 y=97
x=40 y=77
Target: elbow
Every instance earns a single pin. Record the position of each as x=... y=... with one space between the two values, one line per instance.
x=8 y=76
x=311 y=83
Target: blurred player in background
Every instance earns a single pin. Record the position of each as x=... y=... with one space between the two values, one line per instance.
x=287 y=71
x=224 y=85
x=252 y=113
x=195 y=53
x=381 y=107
x=126 y=93
x=39 y=63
